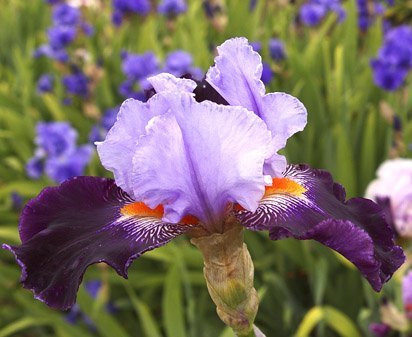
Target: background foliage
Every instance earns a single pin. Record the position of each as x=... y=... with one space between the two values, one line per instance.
x=305 y=289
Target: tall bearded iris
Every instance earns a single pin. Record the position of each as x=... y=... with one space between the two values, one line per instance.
x=198 y=158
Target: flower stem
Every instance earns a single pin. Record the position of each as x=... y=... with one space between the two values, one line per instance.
x=228 y=270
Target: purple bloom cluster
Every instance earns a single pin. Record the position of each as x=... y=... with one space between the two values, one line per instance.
x=277 y=50
x=99 y=131
x=16 y=201
x=172 y=7
x=267 y=73
x=67 y=23
x=57 y=154
x=277 y=53
x=75 y=314
x=45 y=83
x=394 y=60
x=313 y=12
x=122 y=8
x=138 y=67
x=76 y=83
x=252 y=5
x=367 y=12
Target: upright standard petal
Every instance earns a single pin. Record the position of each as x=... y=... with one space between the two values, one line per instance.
x=117 y=150
x=236 y=77
x=307 y=204
x=199 y=157
x=83 y=221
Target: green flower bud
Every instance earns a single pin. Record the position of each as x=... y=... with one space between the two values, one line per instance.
x=229 y=277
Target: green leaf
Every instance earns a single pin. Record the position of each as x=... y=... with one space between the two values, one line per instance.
x=333 y=318
x=227 y=332
x=345 y=163
x=9 y=233
x=173 y=316
x=105 y=323
x=21 y=324
x=148 y=323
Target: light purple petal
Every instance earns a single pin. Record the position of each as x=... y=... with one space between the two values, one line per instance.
x=407 y=293
x=284 y=115
x=117 y=150
x=199 y=157
x=168 y=82
x=307 y=204
x=236 y=77
x=83 y=221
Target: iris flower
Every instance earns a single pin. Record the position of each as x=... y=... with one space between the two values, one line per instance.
x=190 y=158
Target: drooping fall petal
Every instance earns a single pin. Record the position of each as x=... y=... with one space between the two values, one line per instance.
x=83 y=221
x=306 y=204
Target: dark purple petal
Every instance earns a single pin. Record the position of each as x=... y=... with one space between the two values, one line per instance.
x=83 y=221
x=205 y=92
x=379 y=329
x=307 y=204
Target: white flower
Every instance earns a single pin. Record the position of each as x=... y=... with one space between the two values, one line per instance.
x=395 y=183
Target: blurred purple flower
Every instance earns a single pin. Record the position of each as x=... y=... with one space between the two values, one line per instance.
x=212 y=8
x=131 y=89
x=35 y=167
x=109 y=117
x=313 y=12
x=121 y=8
x=56 y=54
x=256 y=45
x=388 y=76
x=277 y=50
x=117 y=18
x=397 y=47
x=178 y=63
x=394 y=59
x=45 y=83
x=61 y=36
x=87 y=28
x=368 y=11
x=99 y=131
x=76 y=84
x=97 y=134
x=16 y=201
x=172 y=7
x=139 y=66
x=65 y=15
x=267 y=73
x=75 y=313
x=252 y=5
x=53 y=2
x=379 y=329
x=57 y=153
x=55 y=138
x=68 y=165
